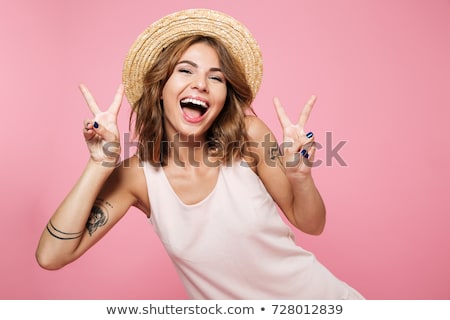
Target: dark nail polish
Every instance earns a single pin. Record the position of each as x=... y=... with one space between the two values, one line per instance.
x=95 y=124
x=306 y=156
x=309 y=135
x=303 y=152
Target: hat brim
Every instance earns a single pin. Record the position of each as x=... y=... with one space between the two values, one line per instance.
x=234 y=35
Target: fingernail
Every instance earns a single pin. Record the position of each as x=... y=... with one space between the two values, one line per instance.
x=306 y=156
x=95 y=124
x=309 y=135
x=303 y=152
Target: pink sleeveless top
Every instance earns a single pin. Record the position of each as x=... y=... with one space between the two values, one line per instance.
x=233 y=244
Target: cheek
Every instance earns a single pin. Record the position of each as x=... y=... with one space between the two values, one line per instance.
x=167 y=89
x=173 y=84
x=169 y=102
x=221 y=96
x=169 y=92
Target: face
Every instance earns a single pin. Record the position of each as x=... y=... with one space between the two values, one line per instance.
x=195 y=93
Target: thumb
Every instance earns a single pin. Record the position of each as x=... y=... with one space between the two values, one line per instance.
x=103 y=132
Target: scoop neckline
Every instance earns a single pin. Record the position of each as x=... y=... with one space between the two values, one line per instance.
x=198 y=203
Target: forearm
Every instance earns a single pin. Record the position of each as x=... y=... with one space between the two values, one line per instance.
x=308 y=206
x=67 y=226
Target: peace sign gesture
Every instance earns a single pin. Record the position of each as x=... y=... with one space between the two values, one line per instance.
x=298 y=147
x=101 y=133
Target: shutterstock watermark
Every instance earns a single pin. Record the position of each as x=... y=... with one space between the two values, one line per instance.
x=331 y=151
x=249 y=151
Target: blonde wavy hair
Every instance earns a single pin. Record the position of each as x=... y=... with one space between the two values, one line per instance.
x=227 y=135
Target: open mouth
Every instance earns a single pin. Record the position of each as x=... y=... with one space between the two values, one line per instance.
x=193 y=109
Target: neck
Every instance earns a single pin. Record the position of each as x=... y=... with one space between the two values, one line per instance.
x=187 y=151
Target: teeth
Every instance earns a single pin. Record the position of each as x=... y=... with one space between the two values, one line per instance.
x=195 y=101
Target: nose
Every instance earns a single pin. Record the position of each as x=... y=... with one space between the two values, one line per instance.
x=200 y=83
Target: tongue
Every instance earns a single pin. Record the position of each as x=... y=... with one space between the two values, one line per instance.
x=192 y=113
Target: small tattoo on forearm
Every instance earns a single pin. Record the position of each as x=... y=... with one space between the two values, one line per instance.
x=99 y=216
x=275 y=152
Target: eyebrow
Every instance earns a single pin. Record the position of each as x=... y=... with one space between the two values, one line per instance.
x=196 y=65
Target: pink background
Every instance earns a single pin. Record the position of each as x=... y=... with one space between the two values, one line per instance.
x=381 y=70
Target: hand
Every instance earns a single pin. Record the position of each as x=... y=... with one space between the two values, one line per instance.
x=101 y=132
x=298 y=147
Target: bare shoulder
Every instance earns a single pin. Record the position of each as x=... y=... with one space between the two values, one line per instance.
x=131 y=175
x=263 y=147
x=256 y=128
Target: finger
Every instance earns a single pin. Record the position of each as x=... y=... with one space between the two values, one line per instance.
x=307 y=149
x=117 y=102
x=304 y=116
x=89 y=100
x=281 y=113
x=88 y=124
x=104 y=133
x=308 y=158
x=87 y=130
x=312 y=153
x=88 y=134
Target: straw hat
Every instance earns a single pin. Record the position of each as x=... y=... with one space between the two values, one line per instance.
x=236 y=37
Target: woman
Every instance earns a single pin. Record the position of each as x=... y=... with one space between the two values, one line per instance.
x=208 y=173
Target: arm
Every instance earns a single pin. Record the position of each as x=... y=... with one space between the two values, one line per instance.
x=288 y=178
x=100 y=197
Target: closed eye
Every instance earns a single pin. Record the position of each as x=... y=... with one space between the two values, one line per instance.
x=217 y=78
x=183 y=70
